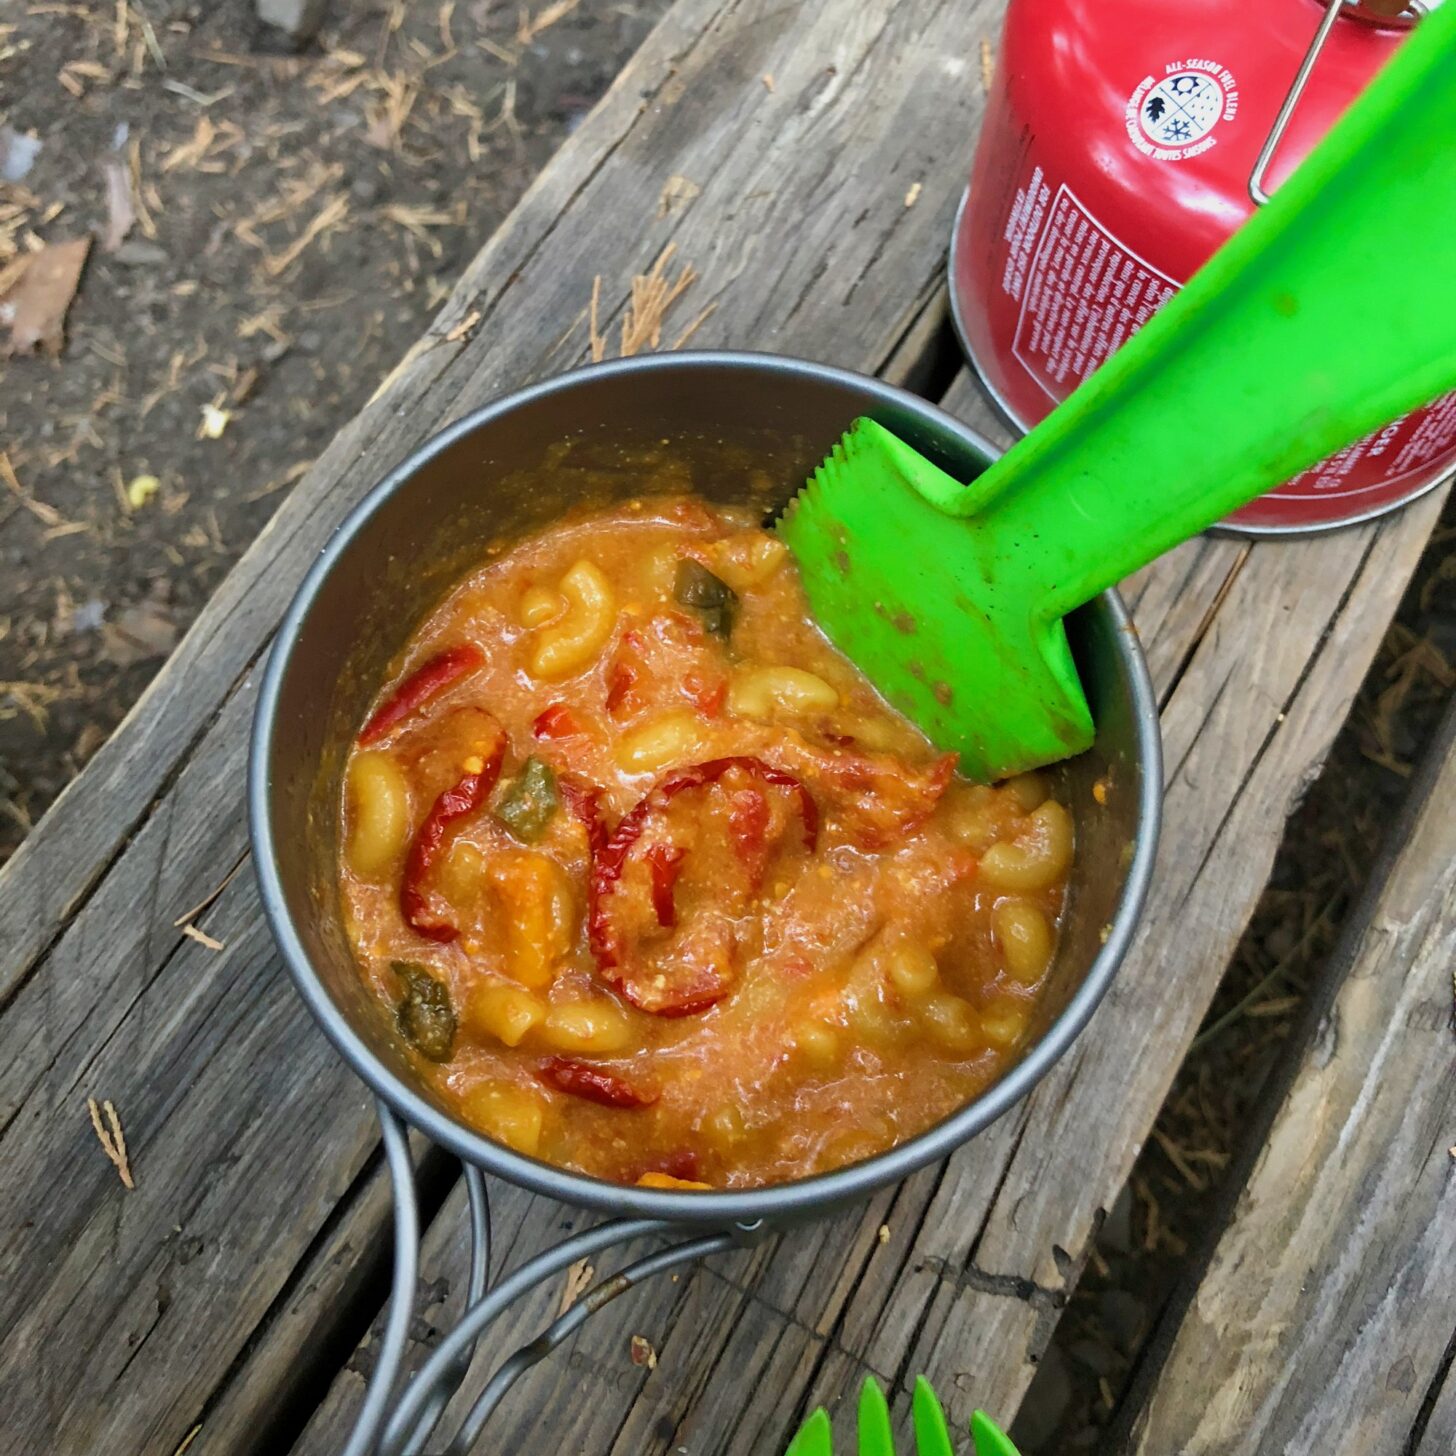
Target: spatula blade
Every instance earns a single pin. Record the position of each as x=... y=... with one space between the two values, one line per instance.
x=944 y=618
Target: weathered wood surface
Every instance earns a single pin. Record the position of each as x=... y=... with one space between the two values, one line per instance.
x=126 y=1318
x=248 y=1258
x=1326 y=1314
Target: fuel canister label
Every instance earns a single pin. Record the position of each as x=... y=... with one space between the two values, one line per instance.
x=1173 y=117
x=1083 y=293
x=1405 y=451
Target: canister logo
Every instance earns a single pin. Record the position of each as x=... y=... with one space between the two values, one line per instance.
x=1173 y=117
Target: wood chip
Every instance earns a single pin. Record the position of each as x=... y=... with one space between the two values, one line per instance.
x=463 y=329
x=676 y=193
x=598 y=343
x=188 y=1439
x=138 y=192
x=331 y=213
x=652 y=296
x=768 y=82
x=913 y=194
x=529 y=29
x=988 y=65
x=47 y=515
x=202 y=937
x=578 y=1277
x=884 y=1233
x=643 y=1353
x=190 y=153
x=202 y=904
x=35 y=305
x=120 y=209
x=111 y=1138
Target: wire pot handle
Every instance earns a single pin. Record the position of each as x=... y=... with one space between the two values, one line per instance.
x=390 y=1426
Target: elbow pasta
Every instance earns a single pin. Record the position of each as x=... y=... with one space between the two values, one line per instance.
x=1039 y=855
x=1025 y=939
x=760 y=692
x=646 y=901
x=379 y=795
x=573 y=642
x=661 y=743
x=539 y=606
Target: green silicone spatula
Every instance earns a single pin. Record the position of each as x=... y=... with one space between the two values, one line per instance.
x=1329 y=314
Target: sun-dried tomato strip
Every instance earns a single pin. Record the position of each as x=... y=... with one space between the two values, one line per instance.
x=596 y=1084
x=665 y=862
x=468 y=794
x=608 y=864
x=585 y=804
x=557 y=721
x=420 y=687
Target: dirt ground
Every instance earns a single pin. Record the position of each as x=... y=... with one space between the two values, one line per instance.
x=296 y=221
x=271 y=232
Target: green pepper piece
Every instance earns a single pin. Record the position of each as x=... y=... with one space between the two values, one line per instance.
x=714 y=600
x=426 y=1017
x=529 y=801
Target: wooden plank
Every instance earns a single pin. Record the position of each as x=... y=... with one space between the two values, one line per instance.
x=127 y=1317
x=1439 y=1436
x=1325 y=1314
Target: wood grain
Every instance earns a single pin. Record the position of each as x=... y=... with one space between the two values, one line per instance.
x=1327 y=1311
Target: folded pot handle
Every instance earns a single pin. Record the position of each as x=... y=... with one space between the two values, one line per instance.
x=390 y=1426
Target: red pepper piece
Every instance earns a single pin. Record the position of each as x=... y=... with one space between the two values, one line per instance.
x=706 y=694
x=665 y=862
x=595 y=1084
x=585 y=804
x=609 y=863
x=468 y=794
x=748 y=822
x=423 y=684
x=625 y=671
x=557 y=721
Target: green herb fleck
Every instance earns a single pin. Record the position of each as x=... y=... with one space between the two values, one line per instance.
x=426 y=1017
x=529 y=801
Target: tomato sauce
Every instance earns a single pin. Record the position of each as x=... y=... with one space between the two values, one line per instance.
x=659 y=889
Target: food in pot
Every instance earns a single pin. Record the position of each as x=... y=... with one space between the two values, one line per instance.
x=656 y=887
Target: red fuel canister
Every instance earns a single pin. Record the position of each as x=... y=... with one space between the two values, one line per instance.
x=1123 y=143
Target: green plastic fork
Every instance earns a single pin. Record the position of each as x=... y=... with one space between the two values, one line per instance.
x=876 y=1438
x=1329 y=314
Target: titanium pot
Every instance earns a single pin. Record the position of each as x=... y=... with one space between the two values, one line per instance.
x=751 y=428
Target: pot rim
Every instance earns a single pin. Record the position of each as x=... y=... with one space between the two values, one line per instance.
x=745 y=1207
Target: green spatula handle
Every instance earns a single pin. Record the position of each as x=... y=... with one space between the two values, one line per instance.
x=1330 y=313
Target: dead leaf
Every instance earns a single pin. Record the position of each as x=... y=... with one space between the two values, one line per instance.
x=643 y=1353
x=120 y=211
x=138 y=633
x=35 y=307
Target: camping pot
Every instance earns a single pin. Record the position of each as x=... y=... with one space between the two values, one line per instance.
x=1124 y=141
x=488 y=480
